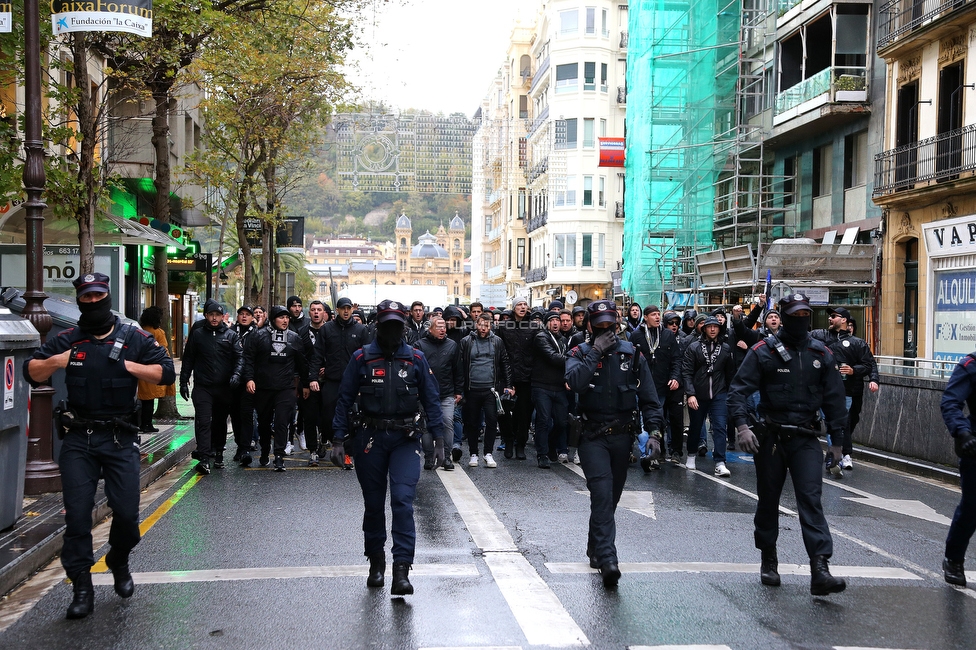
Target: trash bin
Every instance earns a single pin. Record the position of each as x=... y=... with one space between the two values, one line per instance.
x=18 y=340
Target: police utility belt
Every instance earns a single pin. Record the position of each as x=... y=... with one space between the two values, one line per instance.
x=580 y=427
x=787 y=431
x=409 y=425
x=66 y=420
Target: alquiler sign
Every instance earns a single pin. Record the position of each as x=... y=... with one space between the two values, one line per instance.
x=132 y=16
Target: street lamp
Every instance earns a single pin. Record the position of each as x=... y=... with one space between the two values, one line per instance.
x=374 y=283
x=42 y=473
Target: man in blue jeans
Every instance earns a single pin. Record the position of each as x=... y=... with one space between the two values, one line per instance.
x=961 y=391
x=549 y=390
x=707 y=371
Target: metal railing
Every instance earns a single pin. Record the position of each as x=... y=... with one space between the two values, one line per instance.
x=899 y=17
x=538 y=122
x=624 y=38
x=536 y=222
x=495 y=272
x=537 y=275
x=537 y=170
x=831 y=80
x=940 y=158
x=621 y=94
x=785 y=5
x=494 y=234
x=919 y=368
x=618 y=210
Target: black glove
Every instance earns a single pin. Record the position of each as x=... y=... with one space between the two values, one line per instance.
x=653 y=448
x=966 y=445
x=746 y=440
x=185 y=391
x=338 y=455
x=835 y=453
x=438 y=452
x=605 y=341
x=235 y=381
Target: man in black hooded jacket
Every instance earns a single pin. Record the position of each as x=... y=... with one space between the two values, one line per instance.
x=214 y=357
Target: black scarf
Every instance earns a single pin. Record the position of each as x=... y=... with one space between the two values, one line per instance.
x=97 y=318
x=794 y=329
x=389 y=335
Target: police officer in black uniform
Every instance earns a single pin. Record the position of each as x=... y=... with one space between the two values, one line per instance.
x=103 y=360
x=613 y=382
x=796 y=377
x=392 y=381
x=273 y=358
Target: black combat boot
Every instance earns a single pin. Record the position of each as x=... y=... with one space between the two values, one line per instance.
x=83 y=603
x=448 y=464
x=377 y=567
x=610 y=573
x=401 y=581
x=954 y=572
x=821 y=582
x=124 y=586
x=769 y=569
x=519 y=452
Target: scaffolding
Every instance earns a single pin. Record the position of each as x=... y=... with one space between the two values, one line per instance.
x=698 y=174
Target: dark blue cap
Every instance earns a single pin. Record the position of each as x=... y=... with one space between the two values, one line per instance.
x=602 y=311
x=390 y=310
x=91 y=283
x=793 y=303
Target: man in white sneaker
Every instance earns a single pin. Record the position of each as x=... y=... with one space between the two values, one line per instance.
x=708 y=370
x=487 y=375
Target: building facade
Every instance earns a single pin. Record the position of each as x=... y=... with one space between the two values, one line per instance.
x=924 y=179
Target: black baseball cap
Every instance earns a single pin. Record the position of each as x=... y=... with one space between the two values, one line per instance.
x=343 y=302
x=842 y=312
x=246 y=308
x=91 y=283
x=793 y=303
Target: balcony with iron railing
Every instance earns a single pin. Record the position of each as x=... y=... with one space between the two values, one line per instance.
x=621 y=94
x=494 y=234
x=536 y=222
x=900 y=21
x=537 y=170
x=541 y=73
x=538 y=121
x=945 y=157
x=537 y=274
x=830 y=85
x=618 y=209
x=624 y=38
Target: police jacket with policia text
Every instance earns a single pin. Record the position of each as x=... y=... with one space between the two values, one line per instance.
x=98 y=387
x=855 y=353
x=389 y=388
x=702 y=377
x=614 y=385
x=273 y=358
x=662 y=352
x=334 y=345
x=444 y=360
x=473 y=344
x=549 y=367
x=959 y=392
x=213 y=355
x=790 y=392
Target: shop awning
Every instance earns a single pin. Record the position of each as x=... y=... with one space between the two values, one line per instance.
x=134 y=232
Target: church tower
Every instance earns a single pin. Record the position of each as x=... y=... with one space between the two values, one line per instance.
x=455 y=245
x=404 y=237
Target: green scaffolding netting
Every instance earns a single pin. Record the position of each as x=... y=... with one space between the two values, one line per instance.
x=681 y=81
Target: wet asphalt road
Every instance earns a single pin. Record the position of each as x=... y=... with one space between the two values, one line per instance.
x=303 y=529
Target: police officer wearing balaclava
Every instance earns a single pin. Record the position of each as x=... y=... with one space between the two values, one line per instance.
x=103 y=360
x=392 y=381
x=613 y=382
x=796 y=377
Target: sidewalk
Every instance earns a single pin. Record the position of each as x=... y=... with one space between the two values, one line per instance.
x=36 y=537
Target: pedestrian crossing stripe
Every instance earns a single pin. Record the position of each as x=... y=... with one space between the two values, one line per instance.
x=887 y=573
x=280 y=573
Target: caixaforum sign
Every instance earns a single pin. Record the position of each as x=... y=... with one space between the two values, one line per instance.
x=132 y=16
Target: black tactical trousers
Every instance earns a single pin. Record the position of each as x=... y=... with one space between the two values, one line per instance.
x=242 y=417
x=803 y=457
x=211 y=406
x=84 y=459
x=274 y=406
x=604 y=461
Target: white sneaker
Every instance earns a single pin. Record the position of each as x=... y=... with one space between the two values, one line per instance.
x=490 y=462
x=690 y=463
x=301 y=441
x=846 y=463
x=313 y=460
x=474 y=461
x=576 y=458
x=564 y=458
x=288 y=449
x=722 y=470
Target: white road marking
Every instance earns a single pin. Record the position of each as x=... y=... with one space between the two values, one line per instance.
x=473 y=647
x=907 y=507
x=855 y=647
x=678 y=647
x=889 y=573
x=277 y=573
x=640 y=502
x=543 y=619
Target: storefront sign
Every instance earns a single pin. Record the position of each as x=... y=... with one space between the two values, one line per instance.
x=60 y=268
x=132 y=16
x=954 y=315
x=6 y=17
x=611 y=152
x=951 y=237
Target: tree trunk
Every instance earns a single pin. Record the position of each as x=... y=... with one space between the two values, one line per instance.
x=160 y=141
x=88 y=117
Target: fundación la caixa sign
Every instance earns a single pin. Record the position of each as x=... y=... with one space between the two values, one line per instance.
x=133 y=16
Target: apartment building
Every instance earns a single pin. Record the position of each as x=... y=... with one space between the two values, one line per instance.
x=551 y=216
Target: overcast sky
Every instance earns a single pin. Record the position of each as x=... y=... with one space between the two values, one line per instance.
x=439 y=55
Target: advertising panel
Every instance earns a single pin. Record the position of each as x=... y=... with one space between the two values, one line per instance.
x=954 y=315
